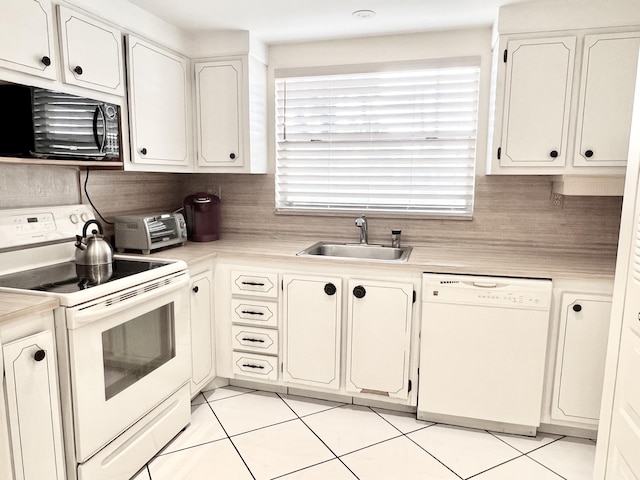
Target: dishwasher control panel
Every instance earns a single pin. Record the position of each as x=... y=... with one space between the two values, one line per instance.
x=488 y=291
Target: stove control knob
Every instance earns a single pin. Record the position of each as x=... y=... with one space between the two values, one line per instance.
x=84 y=217
x=74 y=218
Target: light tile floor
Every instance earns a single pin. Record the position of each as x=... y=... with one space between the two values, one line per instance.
x=236 y=433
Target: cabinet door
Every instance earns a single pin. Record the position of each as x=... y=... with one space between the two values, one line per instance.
x=607 y=87
x=219 y=107
x=312 y=323
x=33 y=407
x=202 y=354
x=539 y=74
x=379 y=338
x=158 y=100
x=27 y=38
x=91 y=53
x=580 y=360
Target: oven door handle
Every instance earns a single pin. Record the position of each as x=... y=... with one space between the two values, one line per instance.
x=110 y=305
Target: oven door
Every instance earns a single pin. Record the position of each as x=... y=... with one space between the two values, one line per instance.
x=127 y=353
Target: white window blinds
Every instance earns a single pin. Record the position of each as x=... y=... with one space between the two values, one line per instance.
x=401 y=141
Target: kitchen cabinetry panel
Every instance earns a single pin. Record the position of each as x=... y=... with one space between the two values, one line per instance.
x=255 y=312
x=158 y=107
x=27 y=40
x=33 y=407
x=255 y=365
x=606 y=99
x=312 y=330
x=257 y=285
x=257 y=340
x=580 y=359
x=539 y=76
x=202 y=341
x=91 y=53
x=219 y=128
x=379 y=337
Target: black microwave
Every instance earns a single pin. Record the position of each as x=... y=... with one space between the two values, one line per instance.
x=40 y=123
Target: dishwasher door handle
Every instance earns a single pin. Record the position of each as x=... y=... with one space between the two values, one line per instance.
x=485 y=284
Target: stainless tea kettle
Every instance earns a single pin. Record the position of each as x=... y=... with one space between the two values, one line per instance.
x=93 y=250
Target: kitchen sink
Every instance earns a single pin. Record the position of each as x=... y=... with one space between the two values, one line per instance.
x=358 y=251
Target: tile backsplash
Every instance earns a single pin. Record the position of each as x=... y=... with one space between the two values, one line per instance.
x=509 y=210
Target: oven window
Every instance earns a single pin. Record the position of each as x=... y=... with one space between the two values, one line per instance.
x=136 y=348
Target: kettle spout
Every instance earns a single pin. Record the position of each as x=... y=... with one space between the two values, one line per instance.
x=79 y=243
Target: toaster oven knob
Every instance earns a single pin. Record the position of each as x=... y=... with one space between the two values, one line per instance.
x=46 y=61
x=78 y=70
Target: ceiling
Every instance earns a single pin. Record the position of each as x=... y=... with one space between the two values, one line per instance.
x=284 y=21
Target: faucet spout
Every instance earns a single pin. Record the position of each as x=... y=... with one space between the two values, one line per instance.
x=361 y=223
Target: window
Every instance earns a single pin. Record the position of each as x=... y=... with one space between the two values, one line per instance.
x=382 y=141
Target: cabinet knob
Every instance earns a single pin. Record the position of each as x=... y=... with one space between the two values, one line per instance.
x=232 y=156
x=359 y=291
x=577 y=307
x=143 y=151
x=195 y=289
x=39 y=355
x=553 y=153
x=78 y=70
x=46 y=61
x=588 y=153
x=330 y=289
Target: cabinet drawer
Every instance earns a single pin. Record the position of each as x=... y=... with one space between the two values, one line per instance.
x=254 y=365
x=262 y=313
x=259 y=340
x=254 y=284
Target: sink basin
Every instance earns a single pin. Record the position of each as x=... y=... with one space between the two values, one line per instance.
x=378 y=253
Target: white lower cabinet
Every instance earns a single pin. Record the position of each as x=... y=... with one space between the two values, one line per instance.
x=33 y=406
x=379 y=338
x=312 y=327
x=580 y=358
x=202 y=335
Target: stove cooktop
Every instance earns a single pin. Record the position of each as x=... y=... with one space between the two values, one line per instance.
x=67 y=277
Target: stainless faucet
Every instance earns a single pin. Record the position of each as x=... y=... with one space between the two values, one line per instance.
x=361 y=223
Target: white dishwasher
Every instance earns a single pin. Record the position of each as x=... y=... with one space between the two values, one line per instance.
x=483 y=347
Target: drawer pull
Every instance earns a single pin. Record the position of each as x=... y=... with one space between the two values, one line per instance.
x=249 y=365
x=249 y=312
x=252 y=340
x=254 y=284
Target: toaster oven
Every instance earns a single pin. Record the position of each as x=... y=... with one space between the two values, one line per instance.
x=147 y=232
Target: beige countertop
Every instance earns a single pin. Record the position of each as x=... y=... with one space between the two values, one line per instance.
x=14 y=306
x=437 y=259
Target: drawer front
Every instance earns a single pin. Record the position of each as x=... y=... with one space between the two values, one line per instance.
x=256 y=366
x=253 y=312
x=254 y=284
x=258 y=340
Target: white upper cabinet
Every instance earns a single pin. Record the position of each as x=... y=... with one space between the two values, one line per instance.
x=158 y=107
x=27 y=40
x=537 y=98
x=231 y=115
x=562 y=103
x=604 y=110
x=91 y=53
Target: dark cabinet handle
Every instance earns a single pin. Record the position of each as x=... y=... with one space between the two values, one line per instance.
x=359 y=291
x=249 y=365
x=254 y=284
x=232 y=156
x=46 y=61
x=252 y=340
x=577 y=307
x=39 y=355
x=553 y=154
x=78 y=70
x=588 y=153
x=249 y=312
x=143 y=151
x=195 y=289
x=330 y=289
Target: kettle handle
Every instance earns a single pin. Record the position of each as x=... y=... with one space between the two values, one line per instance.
x=84 y=230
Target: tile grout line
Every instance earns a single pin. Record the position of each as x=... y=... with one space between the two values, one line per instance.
x=233 y=444
x=318 y=437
